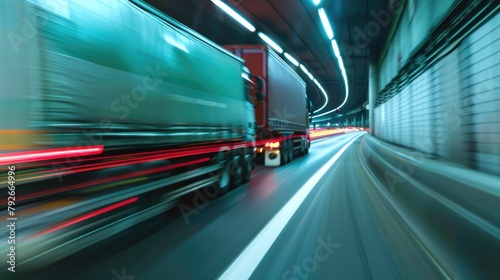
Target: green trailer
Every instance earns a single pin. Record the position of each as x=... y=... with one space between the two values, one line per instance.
x=111 y=72
x=170 y=110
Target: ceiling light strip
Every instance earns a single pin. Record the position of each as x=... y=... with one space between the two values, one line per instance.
x=336 y=51
x=326 y=23
x=234 y=15
x=270 y=42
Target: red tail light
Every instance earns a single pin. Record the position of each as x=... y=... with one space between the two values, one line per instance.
x=272 y=144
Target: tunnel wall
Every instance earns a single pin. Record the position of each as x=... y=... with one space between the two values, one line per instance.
x=449 y=107
x=418 y=18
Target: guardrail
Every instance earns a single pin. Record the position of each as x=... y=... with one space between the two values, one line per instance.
x=453 y=211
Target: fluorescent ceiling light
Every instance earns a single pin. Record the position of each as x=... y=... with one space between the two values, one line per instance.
x=325 y=22
x=341 y=65
x=310 y=76
x=303 y=68
x=270 y=42
x=324 y=94
x=234 y=15
x=345 y=100
x=326 y=99
x=344 y=76
x=316 y=2
x=335 y=48
x=292 y=60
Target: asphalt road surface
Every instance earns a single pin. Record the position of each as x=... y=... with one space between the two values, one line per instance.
x=323 y=216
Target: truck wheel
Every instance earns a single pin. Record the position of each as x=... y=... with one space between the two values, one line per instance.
x=222 y=185
x=235 y=168
x=284 y=153
x=290 y=150
x=302 y=146
x=247 y=167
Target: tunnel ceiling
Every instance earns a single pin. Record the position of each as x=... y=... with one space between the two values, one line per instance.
x=296 y=26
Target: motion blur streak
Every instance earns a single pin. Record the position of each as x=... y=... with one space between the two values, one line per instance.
x=89 y=215
x=322 y=133
x=115 y=184
x=249 y=259
x=172 y=153
x=325 y=133
x=117 y=161
x=158 y=156
x=30 y=156
x=113 y=179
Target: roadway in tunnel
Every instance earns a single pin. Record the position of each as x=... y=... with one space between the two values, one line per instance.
x=343 y=229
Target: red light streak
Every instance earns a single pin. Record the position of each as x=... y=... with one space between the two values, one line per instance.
x=60 y=167
x=39 y=155
x=141 y=158
x=112 y=179
x=89 y=215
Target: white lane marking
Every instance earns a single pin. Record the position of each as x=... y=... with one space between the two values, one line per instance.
x=248 y=260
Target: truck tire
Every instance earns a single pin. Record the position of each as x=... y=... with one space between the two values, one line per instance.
x=302 y=146
x=222 y=186
x=284 y=153
x=247 y=166
x=290 y=150
x=235 y=168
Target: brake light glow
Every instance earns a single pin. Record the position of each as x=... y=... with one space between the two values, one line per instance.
x=272 y=144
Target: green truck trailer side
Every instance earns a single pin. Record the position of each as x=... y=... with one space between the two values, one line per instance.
x=112 y=69
x=169 y=107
